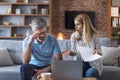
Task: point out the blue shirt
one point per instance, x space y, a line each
42 53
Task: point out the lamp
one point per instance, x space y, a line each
60 36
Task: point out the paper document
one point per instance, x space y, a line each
87 54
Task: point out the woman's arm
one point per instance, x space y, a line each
71 52
97 45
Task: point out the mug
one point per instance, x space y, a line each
46 76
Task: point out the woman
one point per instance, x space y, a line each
85 35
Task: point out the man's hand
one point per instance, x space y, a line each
38 73
32 37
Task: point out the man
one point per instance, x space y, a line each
38 50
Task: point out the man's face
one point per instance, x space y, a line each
41 33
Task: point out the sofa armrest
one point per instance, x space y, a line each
105 42
118 61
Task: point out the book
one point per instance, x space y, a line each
114 11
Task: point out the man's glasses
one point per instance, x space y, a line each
43 33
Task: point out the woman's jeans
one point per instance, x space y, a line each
88 71
28 70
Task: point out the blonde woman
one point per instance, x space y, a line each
85 35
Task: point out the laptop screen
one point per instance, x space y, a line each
67 70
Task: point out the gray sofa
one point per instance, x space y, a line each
14 47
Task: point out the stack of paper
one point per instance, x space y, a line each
87 54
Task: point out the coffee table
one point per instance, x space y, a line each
86 79
89 79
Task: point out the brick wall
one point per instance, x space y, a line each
60 6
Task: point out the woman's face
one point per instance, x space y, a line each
78 26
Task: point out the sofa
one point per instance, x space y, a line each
10 59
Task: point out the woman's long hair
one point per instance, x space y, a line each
88 29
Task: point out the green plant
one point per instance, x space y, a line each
116 32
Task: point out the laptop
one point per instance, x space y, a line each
67 70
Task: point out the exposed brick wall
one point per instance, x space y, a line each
60 6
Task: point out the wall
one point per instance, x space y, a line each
60 6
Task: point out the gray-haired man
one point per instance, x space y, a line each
38 50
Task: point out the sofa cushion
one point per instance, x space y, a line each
110 55
110 73
10 72
15 49
64 44
5 59
105 42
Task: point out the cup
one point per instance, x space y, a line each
46 76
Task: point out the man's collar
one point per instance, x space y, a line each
37 42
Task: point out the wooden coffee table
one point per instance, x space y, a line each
89 79
86 79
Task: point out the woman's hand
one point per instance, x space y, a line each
66 53
96 52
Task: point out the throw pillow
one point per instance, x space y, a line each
5 59
110 55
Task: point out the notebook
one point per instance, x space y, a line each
67 70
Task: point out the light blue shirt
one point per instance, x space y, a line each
42 53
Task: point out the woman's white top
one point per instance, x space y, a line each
95 44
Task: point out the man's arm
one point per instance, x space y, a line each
26 56
58 56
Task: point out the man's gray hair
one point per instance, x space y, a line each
38 23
